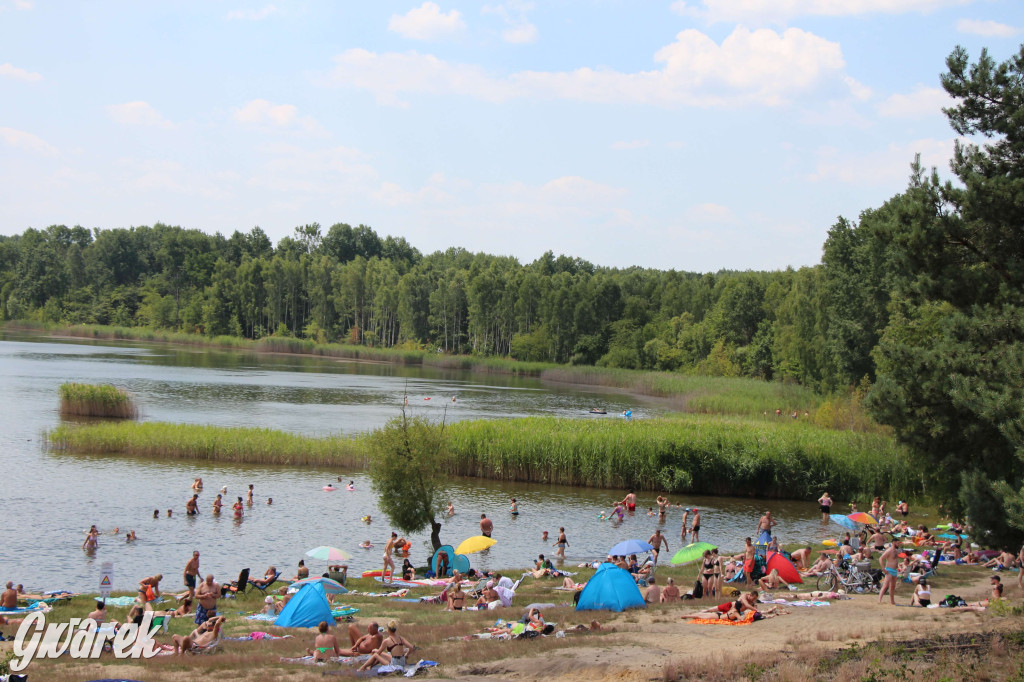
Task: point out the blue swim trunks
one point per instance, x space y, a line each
891 571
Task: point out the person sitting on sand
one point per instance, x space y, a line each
408 570
922 594
324 644
363 644
203 636
653 593
1004 562
670 594
392 650
270 605
772 581
302 573
100 614
183 609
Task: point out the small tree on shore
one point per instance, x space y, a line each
406 473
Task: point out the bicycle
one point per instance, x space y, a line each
856 580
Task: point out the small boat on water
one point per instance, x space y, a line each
598 410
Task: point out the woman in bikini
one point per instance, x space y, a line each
922 594
324 644
392 651
707 573
456 598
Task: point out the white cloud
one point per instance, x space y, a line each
11 71
857 89
989 29
260 112
251 14
521 34
427 22
161 177
16 5
710 213
19 139
762 66
920 103
779 11
880 167
138 113
626 145
519 30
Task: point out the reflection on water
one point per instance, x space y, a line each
51 498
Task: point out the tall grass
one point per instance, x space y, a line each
688 453
96 400
698 454
210 443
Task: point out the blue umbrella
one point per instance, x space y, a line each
843 521
627 547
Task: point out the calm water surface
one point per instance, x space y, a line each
51 498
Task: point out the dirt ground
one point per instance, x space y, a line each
653 644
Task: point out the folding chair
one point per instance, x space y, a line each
238 586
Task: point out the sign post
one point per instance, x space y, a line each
106 578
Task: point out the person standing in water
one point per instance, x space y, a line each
629 501
218 503
682 535
561 543
695 528
248 495
388 549
825 505
486 526
514 508
238 506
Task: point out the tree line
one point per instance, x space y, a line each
921 298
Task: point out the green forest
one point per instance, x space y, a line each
920 298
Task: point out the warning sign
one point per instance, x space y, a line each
106 578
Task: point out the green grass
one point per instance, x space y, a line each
96 400
686 453
210 443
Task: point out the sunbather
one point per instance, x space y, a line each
324 644
456 598
772 581
267 579
202 637
392 651
363 644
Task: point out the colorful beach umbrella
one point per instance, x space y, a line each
330 586
862 517
691 552
627 547
843 521
324 553
477 543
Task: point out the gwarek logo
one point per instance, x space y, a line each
79 638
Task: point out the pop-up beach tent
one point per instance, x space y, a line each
306 609
611 588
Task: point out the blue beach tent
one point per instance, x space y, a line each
612 589
306 609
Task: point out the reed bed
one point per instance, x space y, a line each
691 453
96 400
688 453
210 443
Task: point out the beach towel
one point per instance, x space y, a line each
746 620
269 617
343 611
120 601
256 636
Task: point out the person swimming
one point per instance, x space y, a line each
329 487
366 544
270 500
351 486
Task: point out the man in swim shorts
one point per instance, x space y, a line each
192 574
629 502
748 562
656 541
695 529
192 506
9 598
207 593
388 549
889 561
486 526
363 644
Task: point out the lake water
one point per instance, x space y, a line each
50 498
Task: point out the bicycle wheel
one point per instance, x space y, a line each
827 582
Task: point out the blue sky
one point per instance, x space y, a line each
693 135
